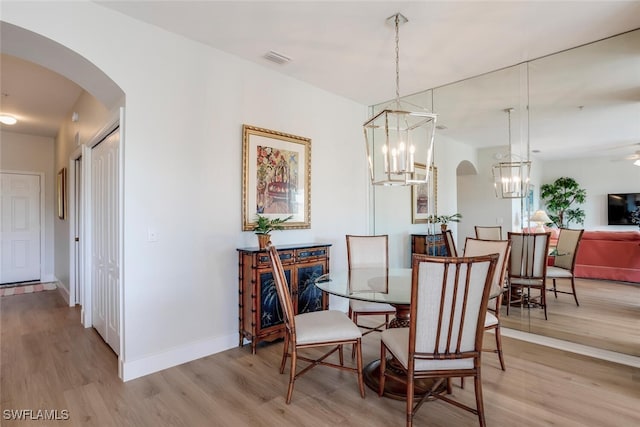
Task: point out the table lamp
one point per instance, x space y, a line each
541 218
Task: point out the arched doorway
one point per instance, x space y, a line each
107 100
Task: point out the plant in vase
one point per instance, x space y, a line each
446 219
265 225
561 198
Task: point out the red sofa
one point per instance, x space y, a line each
609 255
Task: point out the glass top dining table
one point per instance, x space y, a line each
391 286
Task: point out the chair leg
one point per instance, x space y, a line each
499 346
285 351
292 374
573 288
479 402
508 298
543 300
410 399
359 364
382 367
354 316
555 291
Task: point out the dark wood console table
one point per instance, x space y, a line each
260 311
428 244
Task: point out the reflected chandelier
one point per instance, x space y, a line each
400 137
511 178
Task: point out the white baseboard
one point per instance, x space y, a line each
64 292
585 350
176 356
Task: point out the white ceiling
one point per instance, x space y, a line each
347 48
39 98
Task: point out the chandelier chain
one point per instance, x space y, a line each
509 120
397 59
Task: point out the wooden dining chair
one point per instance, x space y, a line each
477 247
528 268
564 260
449 299
327 328
488 232
366 252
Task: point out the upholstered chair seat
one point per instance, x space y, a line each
324 326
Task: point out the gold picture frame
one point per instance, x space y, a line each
276 183
422 205
61 193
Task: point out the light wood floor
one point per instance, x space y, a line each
49 361
608 316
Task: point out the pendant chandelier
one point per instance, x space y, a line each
400 137
511 178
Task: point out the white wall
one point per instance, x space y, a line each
599 177
30 153
185 106
92 116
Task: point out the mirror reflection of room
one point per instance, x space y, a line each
588 94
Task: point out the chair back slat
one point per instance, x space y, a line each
488 232
282 288
450 243
448 302
367 251
476 247
529 255
567 248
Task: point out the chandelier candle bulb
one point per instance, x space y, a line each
401 155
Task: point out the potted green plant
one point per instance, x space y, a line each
560 198
446 219
265 225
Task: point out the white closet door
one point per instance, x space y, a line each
105 239
20 227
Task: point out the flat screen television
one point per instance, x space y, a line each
622 208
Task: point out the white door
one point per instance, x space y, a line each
20 227
104 239
77 249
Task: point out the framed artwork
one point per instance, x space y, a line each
423 201
276 183
61 193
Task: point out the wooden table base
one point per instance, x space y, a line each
393 388
397 390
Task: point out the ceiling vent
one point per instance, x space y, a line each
276 57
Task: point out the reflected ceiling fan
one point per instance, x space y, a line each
635 158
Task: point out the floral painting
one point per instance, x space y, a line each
277 181
276 177
424 197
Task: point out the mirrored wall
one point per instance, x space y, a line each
590 94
